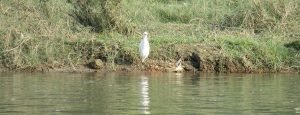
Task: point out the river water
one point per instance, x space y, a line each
148 93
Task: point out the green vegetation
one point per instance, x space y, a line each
60 33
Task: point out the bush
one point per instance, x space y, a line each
101 15
259 16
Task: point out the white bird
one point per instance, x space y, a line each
144 47
179 67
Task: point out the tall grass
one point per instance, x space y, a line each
101 15
64 32
36 33
251 15
252 28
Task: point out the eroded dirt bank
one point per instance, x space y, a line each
195 58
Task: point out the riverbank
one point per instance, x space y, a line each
223 36
196 58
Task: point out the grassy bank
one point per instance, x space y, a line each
217 35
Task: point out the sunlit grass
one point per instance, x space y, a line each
61 32
265 51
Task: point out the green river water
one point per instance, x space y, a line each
148 93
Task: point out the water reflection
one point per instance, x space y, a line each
297 109
145 99
116 93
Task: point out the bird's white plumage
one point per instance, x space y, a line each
144 47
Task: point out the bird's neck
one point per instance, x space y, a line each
145 38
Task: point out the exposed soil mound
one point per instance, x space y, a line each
211 59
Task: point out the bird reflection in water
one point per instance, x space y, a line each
145 99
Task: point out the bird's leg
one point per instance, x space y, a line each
143 65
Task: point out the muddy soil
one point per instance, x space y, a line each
195 58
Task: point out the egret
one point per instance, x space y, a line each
144 47
179 67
